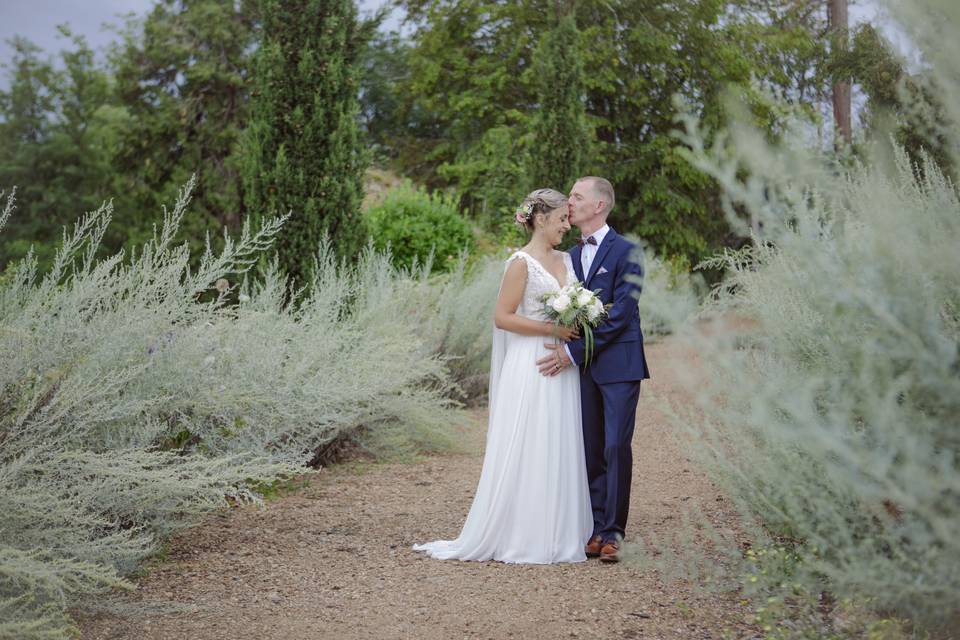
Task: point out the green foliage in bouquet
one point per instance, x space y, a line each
420 228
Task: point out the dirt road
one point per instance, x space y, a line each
334 560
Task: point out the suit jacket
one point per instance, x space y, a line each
618 342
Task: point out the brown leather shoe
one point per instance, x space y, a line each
593 547
610 551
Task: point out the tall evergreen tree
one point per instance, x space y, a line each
560 135
301 150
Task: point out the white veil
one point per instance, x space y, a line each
498 352
497 355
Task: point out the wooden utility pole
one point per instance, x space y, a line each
838 20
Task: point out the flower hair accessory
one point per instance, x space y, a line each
524 214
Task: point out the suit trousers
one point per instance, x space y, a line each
609 414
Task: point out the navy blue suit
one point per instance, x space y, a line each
610 384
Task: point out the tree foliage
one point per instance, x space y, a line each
169 102
484 97
181 75
59 128
301 149
907 105
473 93
560 139
383 67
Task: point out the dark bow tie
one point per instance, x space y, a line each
591 240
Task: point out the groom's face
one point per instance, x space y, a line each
582 204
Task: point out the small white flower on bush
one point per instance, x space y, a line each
244 297
560 303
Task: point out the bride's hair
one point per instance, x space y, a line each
539 201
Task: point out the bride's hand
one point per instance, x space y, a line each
565 333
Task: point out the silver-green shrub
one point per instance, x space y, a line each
459 320
135 394
669 296
833 397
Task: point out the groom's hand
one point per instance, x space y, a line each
553 363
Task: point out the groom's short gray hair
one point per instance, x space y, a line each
604 190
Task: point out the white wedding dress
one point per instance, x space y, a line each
532 503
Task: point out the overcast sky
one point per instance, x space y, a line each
37 20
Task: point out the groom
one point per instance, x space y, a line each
610 383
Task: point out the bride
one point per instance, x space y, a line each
532 503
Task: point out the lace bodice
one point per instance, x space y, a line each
539 282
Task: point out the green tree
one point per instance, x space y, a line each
383 66
467 100
302 148
472 98
58 128
644 57
181 75
898 103
560 140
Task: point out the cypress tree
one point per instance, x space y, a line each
301 150
560 134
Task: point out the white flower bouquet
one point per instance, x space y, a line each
576 306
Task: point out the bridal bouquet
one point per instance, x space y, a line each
576 306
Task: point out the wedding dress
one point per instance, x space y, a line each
532 503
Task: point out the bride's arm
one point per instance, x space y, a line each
511 294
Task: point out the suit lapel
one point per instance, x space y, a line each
602 251
577 265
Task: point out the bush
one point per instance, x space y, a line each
416 226
135 396
460 320
834 402
669 295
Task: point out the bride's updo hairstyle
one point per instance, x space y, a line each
539 201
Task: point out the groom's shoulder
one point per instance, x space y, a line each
623 243
631 249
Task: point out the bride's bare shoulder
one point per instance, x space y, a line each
514 279
516 265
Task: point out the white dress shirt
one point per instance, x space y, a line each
587 253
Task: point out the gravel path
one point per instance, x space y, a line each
334 561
